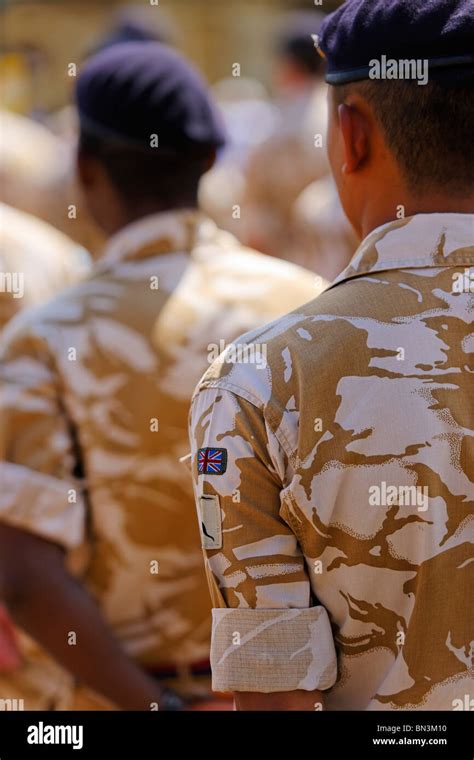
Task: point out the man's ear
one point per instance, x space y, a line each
355 130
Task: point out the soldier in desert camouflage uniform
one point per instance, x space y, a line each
338 521
294 155
36 262
96 387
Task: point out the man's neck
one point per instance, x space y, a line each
149 209
374 217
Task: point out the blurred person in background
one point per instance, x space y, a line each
261 188
36 260
249 118
100 556
36 263
37 175
324 239
295 154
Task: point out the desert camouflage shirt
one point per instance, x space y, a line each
95 394
335 486
36 262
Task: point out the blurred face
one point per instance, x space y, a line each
288 77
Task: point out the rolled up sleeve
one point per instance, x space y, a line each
272 650
38 489
269 634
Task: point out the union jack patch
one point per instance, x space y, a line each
212 461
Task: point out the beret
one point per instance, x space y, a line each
133 90
360 31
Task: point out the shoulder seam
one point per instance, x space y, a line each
236 389
267 413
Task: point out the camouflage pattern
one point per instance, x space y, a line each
36 262
342 552
96 388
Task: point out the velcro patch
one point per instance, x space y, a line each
212 461
211 523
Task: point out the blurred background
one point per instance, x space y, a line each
270 186
39 39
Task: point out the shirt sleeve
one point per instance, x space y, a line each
269 634
38 490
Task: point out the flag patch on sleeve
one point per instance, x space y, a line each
212 461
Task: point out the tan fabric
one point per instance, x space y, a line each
275 650
349 481
36 262
95 395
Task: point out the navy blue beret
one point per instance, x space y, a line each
441 31
133 90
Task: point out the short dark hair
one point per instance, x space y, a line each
144 174
428 128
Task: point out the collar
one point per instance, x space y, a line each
424 240
165 232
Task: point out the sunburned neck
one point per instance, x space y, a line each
376 216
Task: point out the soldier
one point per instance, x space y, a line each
36 262
100 558
249 119
281 167
339 535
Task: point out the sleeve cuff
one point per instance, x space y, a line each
272 650
42 505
